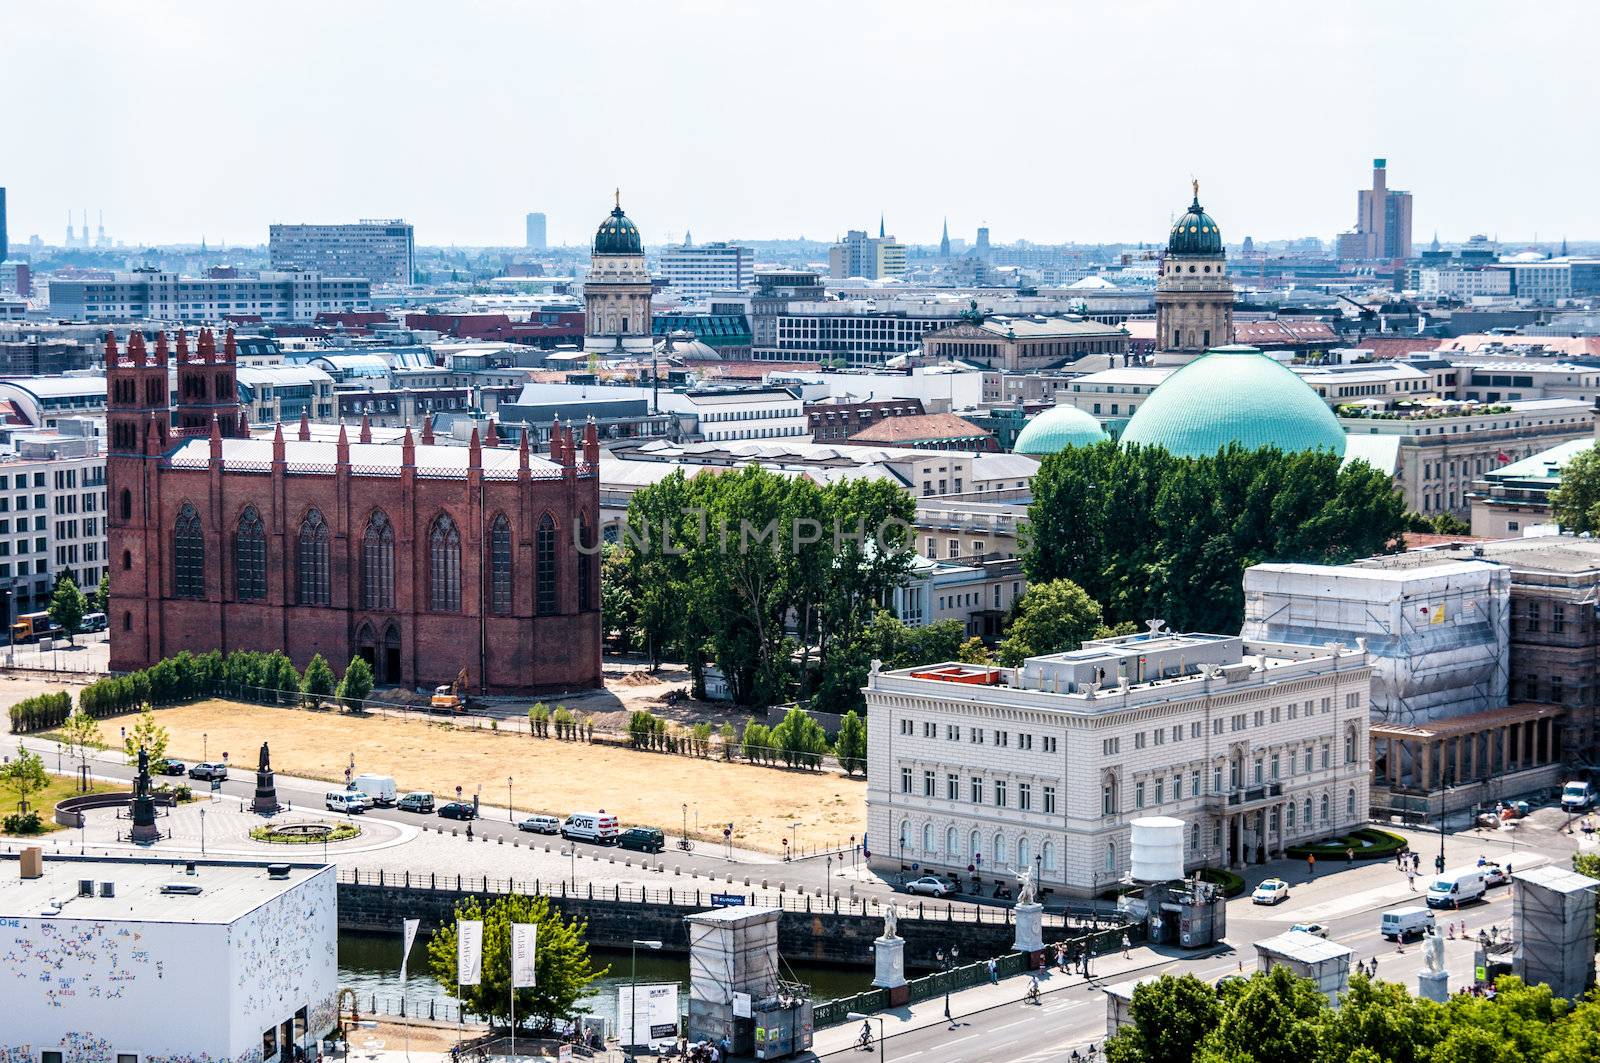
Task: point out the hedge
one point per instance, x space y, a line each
1368 843
40 712
1232 884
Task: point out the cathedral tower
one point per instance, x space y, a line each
616 293
1194 298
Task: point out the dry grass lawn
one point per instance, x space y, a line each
550 776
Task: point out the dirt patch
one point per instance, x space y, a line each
548 775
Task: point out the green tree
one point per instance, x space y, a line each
356 683
1575 503
973 651
148 735
1589 864
1438 524
1275 1018
100 601
730 740
619 599
67 606
80 733
801 739
23 775
851 746
318 682
1171 1016
539 719
563 968
1050 618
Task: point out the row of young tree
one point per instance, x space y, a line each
719 566
1147 534
796 741
1278 1018
190 676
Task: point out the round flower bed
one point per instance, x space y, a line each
1232 885
1368 843
305 833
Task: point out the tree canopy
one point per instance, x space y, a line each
1051 617
67 606
1150 535
1278 1018
1575 503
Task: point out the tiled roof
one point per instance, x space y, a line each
1281 332
931 426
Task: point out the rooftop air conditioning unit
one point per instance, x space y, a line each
188 889
86 887
108 889
277 870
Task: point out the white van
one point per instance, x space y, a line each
598 827
1576 796
380 788
346 801
1401 923
1457 887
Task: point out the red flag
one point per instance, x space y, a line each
1503 456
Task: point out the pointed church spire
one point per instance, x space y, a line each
216 440
342 450
522 456
474 450
880 225
111 347
280 453
944 240
491 438
366 429
244 426
305 427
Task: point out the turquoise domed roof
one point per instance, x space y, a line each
1195 233
618 235
1234 395
1056 429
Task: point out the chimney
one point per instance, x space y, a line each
427 430
32 862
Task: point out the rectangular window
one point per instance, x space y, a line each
952 732
1138 794
999 793
1194 729
1161 791
927 784
905 780
1049 799
1216 780
1277 714
1049 743
1194 784
952 787
977 736
1024 796
930 730
1002 739
1216 726
1108 800
1177 787
1325 755
1352 701
1275 767
1138 740
1327 705
907 727
1308 758
977 790
1260 718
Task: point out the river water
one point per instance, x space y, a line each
370 965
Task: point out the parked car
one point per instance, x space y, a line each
347 801
541 825
415 801
1272 891
1316 929
642 840
168 766
1458 886
930 885
1494 874
209 771
1577 796
94 622
458 810
360 795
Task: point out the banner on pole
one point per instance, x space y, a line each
524 944
469 951
405 952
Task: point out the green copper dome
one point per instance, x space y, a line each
618 235
1234 395
1056 429
1195 233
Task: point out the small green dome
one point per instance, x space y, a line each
1195 233
1056 429
618 236
1234 395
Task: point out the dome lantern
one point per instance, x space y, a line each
1196 233
617 234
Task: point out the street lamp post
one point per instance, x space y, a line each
205 747
947 963
827 878
511 814
202 832
686 826
633 993
883 1043
572 851
794 833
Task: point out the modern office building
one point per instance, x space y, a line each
860 255
283 393
1254 745
700 270
111 959
1383 221
536 240
379 250
52 514
155 295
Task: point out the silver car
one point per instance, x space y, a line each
930 885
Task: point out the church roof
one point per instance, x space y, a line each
434 461
1056 429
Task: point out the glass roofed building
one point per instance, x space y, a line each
1234 395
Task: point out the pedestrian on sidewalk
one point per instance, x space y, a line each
1411 880
1311 863
1349 855
994 972
1125 946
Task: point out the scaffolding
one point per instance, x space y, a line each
1437 636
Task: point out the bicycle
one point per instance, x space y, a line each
864 1039
686 845
1032 996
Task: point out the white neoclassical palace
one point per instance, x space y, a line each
977 771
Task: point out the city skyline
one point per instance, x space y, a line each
692 154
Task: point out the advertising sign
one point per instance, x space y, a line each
652 1018
524 938
727 900
469 951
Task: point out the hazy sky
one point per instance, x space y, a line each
1049 121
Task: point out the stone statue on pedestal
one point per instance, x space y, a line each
144 803
1433 950
266 799
1026 888
890 919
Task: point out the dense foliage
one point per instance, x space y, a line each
1052 617
67 606
1278 1018
40 712
718 563
563 968
1575 503
1146 534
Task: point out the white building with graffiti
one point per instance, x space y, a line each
111 960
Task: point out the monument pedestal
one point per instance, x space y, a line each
1434 985
890 972
1030 931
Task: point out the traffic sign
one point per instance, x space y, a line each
726 833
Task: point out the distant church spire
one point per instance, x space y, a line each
880 225
944 241
1563 247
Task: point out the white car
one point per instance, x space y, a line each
1316 929
1272 891
1494 874
932 885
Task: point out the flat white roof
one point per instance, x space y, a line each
228 890
1303 947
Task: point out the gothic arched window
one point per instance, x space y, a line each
544 543
311 560
444 566
377 563
250 556
188 554
500 565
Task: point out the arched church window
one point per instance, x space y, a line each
250 556
544 545
311 558
500 565
444 555
377 563
188 554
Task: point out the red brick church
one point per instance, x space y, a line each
425 559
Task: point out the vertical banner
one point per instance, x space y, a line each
469 951
524 943
405 952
